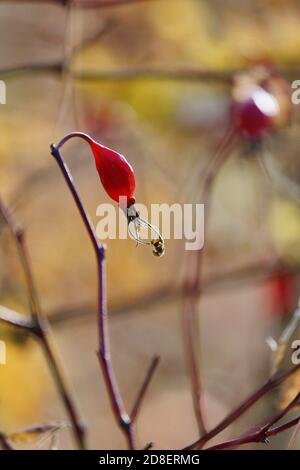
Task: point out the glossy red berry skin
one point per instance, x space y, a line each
249 120
116 174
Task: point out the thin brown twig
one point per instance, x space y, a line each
147 72
7 440
283 427
292 441
18 235
261 433
39 326
192 281
4 442
12 318
248 274
272 383
37 429
141 394
148 446
107 3
84 4
234 415
135 73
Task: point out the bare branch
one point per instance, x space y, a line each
292 441
261 432
17 234
141 394
12 318
283 427
147 72
248 274
40 327
272 383
4 442
135 73
84 4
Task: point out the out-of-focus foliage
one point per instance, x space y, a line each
285 227
168 129
22 383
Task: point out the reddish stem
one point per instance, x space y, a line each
141 394
262 432
273 382
193 281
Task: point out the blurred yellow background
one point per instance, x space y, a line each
168 128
